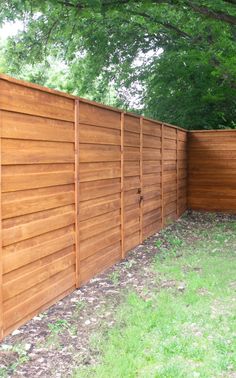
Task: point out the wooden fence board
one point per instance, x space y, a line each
98 135
20 99
30 250
98 206
99 262
99 224
20 177
98 116
101 188
29 202
20 126
30 225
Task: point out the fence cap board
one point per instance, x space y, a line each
35 86
212 130
164 123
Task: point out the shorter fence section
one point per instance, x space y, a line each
212 170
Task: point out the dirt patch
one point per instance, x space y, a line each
53 343
8 357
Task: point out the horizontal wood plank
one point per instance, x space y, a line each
15 151
20 99
98 135
95 115
28 127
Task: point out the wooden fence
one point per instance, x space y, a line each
212 170
82 184
122 197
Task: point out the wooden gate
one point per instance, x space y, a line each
151 177
132 182
142 179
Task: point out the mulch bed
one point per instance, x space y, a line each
57 341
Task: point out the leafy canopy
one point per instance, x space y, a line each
172 59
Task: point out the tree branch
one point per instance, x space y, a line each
165 24
230 1
203 10
216 15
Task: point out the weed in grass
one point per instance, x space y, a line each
3 372
158 243
174 244
129 263
73 329
211 216
174 241
220 238
22 357
232 225
114 277
97 340
202 233
79 306
56 329
59 326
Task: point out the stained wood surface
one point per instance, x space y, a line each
122 203
100 167
37 200
132 182
77 128
212 170
151 178
81 185
1 253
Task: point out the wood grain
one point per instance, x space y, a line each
132 181
17 98
81 185
77 193
142 182
162 174
212 170
1 249
122 189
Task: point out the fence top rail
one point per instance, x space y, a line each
212 131
35 86
84 100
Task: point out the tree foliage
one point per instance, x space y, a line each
176 59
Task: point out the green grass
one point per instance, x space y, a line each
188 328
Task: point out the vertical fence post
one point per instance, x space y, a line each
1 270
162 175
77 249
177 173
122 116
141 180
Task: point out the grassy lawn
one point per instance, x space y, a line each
186 325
